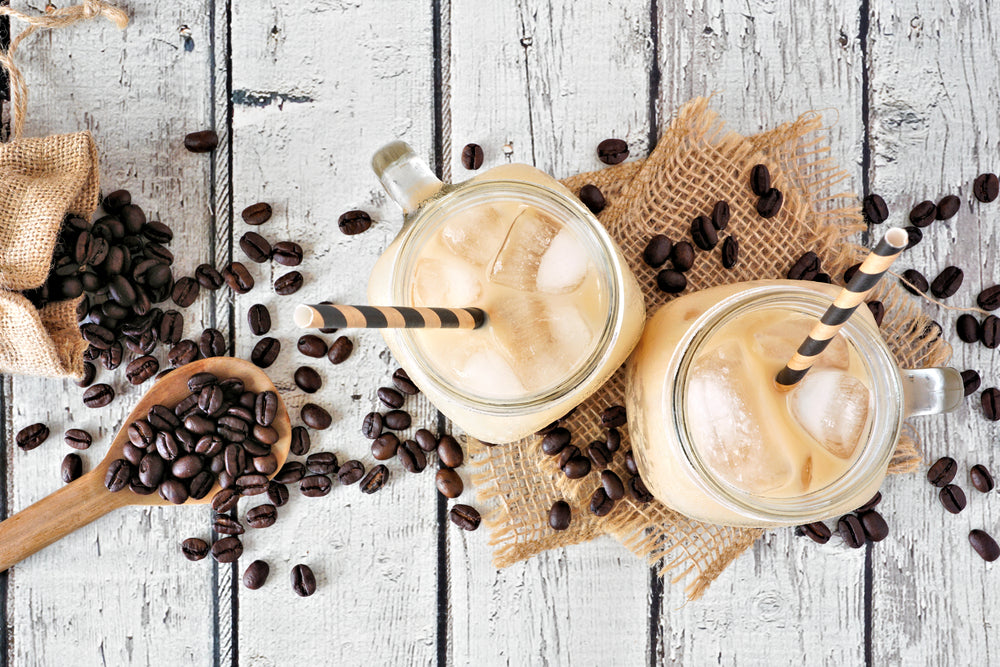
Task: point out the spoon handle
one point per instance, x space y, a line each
56 516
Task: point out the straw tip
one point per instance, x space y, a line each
307 317
897 237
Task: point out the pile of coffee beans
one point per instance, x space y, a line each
865 524
941 475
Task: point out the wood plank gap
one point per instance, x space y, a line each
443 574
868 604
866 149
654 74
6 643
655 604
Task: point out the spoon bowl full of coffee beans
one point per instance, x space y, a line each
213 430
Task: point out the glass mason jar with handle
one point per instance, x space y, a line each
563 309
715 439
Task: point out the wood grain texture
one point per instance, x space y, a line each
139 91
933 132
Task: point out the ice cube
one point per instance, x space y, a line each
832 407
516 264
488 372
779 341
724 427
475 234
445 283
563 266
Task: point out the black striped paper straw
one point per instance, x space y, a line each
868 275
324 315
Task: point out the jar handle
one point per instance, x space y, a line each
930 391
406 177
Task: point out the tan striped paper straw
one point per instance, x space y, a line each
868 275
325 315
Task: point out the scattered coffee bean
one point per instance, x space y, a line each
971 380
251 484
322 463
760 180
351 472
612 151
303 580
569 452
371 427
288 284
721 215
670 281
875 500
472 156
311 346
600 503
576 467
287 253
307 379
262 516
638 491
340 350
77 438
277 493
730 252
599 454
449 483
657 251
375 479
227 550
614 440
805 268
818 532
560 515
942 471
953 498
875 209
989 333
465 517
613 417
238 277
390 397
185 292
118 475
984 545
89 373
255 247
425 439
981 478
98 396
257 214
259 319
265 352
208 277
316 417
703 233
682 256
986 187
30 437
354 222
613 486
630 463
592 198
968 328
226 525
402 382
398 420
770 203
212 343
184 352
385 446
948 207
874 525
72 467
556 440
914 282
194 548
204 141
225 500
990 400
913 235
877 310
255 575
300 441
947 282
923 214
852 531
450 452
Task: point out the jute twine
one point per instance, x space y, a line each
41 181
696 163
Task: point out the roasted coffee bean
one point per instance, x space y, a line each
923 214
981 478
265 408
251 484
760 180
184 352
132 454
569 452
385 446
770 203
990 400
874 525
308 380
141 369
311 346
257 214
989 298
465 517
32 436
340 350
805 268
947 282
208 277
984 545
212 343
118 475
560 515
875 209
291 472
287 253
255 247
612 151
968 328
593 198
390 397
682 256
167 446
600 503
259 319
556 440
72 468
721 215
670 281
971 381
426 440
371 427
98 336
303 581
186 467
288 284
114 201
201 425
613 486
204 141
238 277
638 491
314 486
402 382
989 333
818 532
614 440
122 291
98 396
89 373
942 471
657 251
398 420
232 428
75 438
194 548
914 236
300 441
703 233
872 502
613 417
953 498
599 454
354 222
472 156
322 463
948 207
350 472
262 516
227 549
851 531
411 457
316 417
227 525
225 500
277 493
162 418
171 328
576 467
986 187
730 252
199 381
448 483
211 401
140 433
185 292
914 282
450 452
375 479
255 575
265 352
201 484
630 463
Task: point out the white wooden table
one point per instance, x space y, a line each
302 94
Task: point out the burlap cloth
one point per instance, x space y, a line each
696 163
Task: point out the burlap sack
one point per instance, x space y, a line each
696 163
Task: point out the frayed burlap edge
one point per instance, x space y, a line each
519 483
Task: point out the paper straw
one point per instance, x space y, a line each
868 275
321 316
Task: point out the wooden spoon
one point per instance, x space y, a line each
85 499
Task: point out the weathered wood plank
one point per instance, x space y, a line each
117 591
552 80
306 124
933 131
767 63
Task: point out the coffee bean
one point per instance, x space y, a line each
385 446
914 282
818 532
141 369
212 343
132 454
238 277
599 454
770 203
288 284
472 156
703 233
923 214
316 417
118 475
308 380
576 467
682 256
448 483
287 253
398 420
277 493
204 141
981 478
265 352
354 222
183 353
208 277
303 581
227 525
450 452
984 545
262 516
173 491
914 236
225 500
255 247
171 328
350 472
371 427
72 468
556 440
140 433
614 440
425 439
600 503
300 441
201 484
465 517
670 281
875 209
255 575
989 334
186 467
613 486
114 201
630 463
592 198
98 396
375 479
613 417
322 463
194 548
721 215
76 438
989 298
948 207
986 187
760 180
560 515
411 457
403 383
874 525
947 282
390 397
32 436
612 151
89 373
805 268
942 471
340 350
98 336
953 498
638 491
251 484
257 214
657 251
227 550
852 531
259 319
185 292
730 252
291 472
970 380
968 328
990 400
